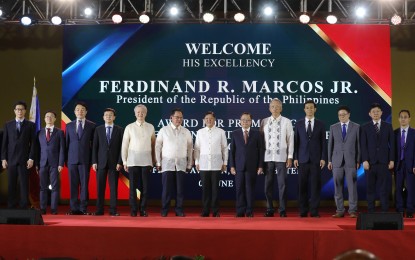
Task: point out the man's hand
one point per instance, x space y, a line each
296 163
224 168
29 163
260 171
391 164
118 167
126 168
322 163
4 164
60 168
366 165
95 166
330 166
289 163
233 171
197 167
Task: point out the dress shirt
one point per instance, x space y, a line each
174 148
137 144
406 132
51 130
374 122
77 123
312 123
111 129
279 139
211 149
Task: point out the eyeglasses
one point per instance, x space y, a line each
19 109
341 115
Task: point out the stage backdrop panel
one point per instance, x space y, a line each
228 69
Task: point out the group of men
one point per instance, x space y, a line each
269 151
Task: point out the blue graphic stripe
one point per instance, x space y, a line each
74 77
329 186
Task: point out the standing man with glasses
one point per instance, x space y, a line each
174 150
378 151
79 138
405 164
246 158
18 155
344 160
279 149
310 151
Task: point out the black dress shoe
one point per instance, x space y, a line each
43 211
85 213
268 214
204 215
133 214
303 215
283 214
216 215
143 213
114 214
249 215
164 214
180 214
409 215
54 212
73 212
239 215
315 215
98 213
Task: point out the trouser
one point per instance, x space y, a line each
272 169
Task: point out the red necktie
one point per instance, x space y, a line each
48 134
246 136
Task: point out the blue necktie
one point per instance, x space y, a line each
403 145
18 126
80 129
309 129
108 134
344 131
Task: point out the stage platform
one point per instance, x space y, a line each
227 237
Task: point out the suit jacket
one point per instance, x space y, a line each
78 151
409 149
246 157
50 153
347 149
104 154
310 150
377 148
18 148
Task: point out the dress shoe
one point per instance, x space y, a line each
54 212
143 213
85 213
283 214
268 214
315 215
98 213
204 215
133 214
164 214
180 214
73 212
338 215
303 215
216 215
353 215
240 215
114 214
409 215
250 215
43 211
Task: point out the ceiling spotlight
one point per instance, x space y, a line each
116 18
268 10
1 12
56 20
304 18
360 12
331 19
239 17
26 20
88 11
174 11
208 17
396 19
144 18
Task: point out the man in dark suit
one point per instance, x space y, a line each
377 147
405 164
79 137
50 159
106 160
310 152
18 154
246 158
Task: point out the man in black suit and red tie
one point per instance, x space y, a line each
50 159
106 160
246 158
79 137
378 150
18 154
405 164
310 152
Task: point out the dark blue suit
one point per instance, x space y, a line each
78 156
246 159
403 170
107 156
309 151
50 155
17 149
378 150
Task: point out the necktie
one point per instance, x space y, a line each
80 129
48 134
108 134
344 131
377 128
246 136
18 126
403 145
309 129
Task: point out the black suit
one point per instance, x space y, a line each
17 149
50 155
378 149
78 154
107 156
246 159
309 151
